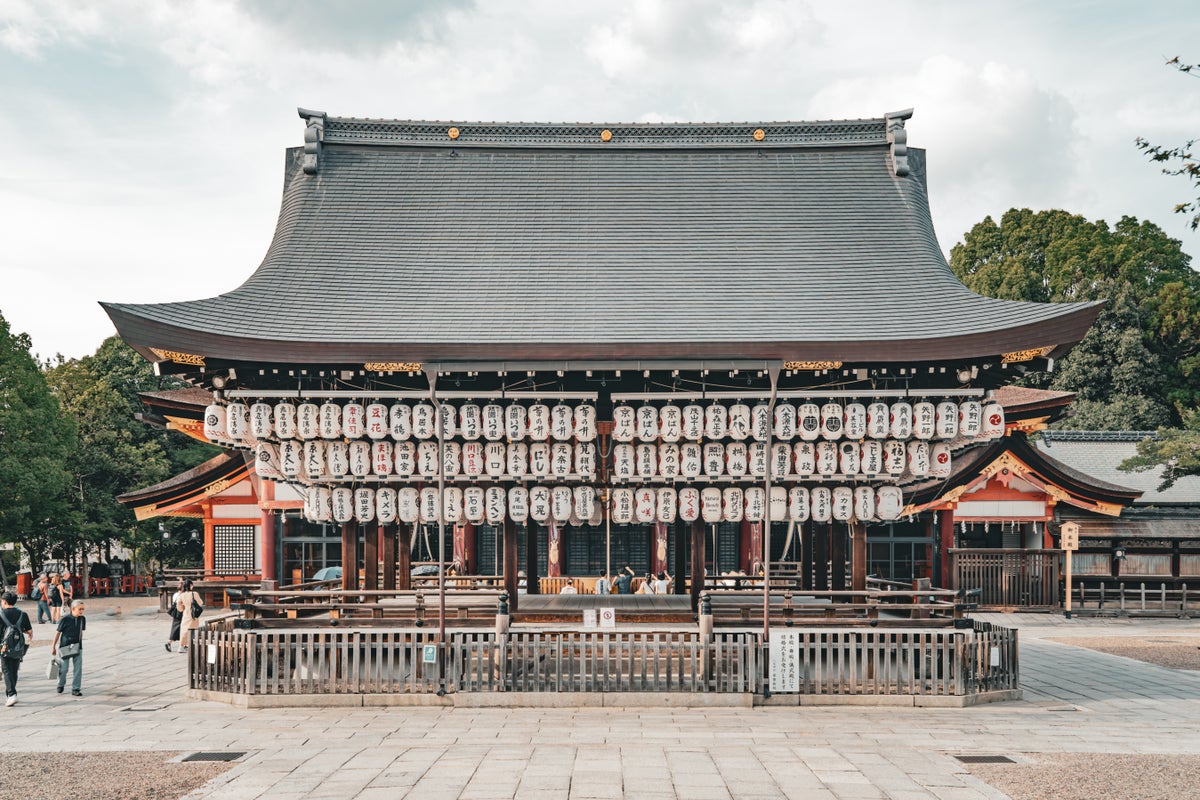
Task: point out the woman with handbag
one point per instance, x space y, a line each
68 644
190 606
176 619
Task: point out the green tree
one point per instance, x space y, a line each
36 442
1178 450
1180 161
1137 367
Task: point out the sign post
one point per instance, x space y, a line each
1070 543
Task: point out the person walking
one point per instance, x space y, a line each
68 589
188 621
56 596
176 620
15 638
68 643
41 595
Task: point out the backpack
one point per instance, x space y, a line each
13 644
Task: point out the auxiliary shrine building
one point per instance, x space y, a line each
562 349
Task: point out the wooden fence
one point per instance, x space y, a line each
1008 578
409 661
1128 597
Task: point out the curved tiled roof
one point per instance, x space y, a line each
668 241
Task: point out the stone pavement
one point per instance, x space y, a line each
1075 701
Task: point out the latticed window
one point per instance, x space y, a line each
233 549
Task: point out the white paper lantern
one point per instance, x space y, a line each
821 504
385 505
755 503
237 421
871 457
668 505
756 455
359 456
539 459
924 420
739 422
864 503
781 459
215 423
732 504
561 459
585 502
260 421
353 421
408 504
778 504
338 459
324 505
285 420
808 421
947 420
760 422
622 506
804 458
889 502
939 460
623 461
518 459
364 505
646 459
375 421
895 457
645 504
670 423
307 421
710 504
424 422
290 457
266 461
668 460
381 458
855 418
693 422
624 423
539 503
312 504
330 420
400 422
901 420
493 422
470 422
451 458
452 504
798 504
343 504
848 461
736 460
918 458
314 459
427 459
495 458
447 421
843 503
785 422
714 459
691 459
647 423
970 418
689 504
827 458
472 458
431 504
878 420
495 501
597 518
473 507
404 458
585 459
585 423
993 421
831 421
716 421
515 422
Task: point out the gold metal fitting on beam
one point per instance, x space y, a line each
178 358
393 366
814 365
1017 356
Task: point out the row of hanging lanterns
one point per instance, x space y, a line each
401 422
317 460
579 504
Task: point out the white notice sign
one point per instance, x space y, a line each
608 618
785 660
589 618
212 654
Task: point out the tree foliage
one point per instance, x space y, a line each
1176 450
1180 161
1138 368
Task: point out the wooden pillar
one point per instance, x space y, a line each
266 534
404 556
388 557
697 562
837 556
464 548
858 557
555 551
821 556
751 547
210 540
371 556
680 568
349 556
658 553
946 535
808 538
531 571
509 569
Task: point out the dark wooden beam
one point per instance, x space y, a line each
697 562
858 557
533 585
510 568
821 556
807 533
371 556
404 556
349 556
389 555
837 557
680 567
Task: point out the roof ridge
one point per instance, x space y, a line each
1098 436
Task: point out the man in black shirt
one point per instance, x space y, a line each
624 580
11 666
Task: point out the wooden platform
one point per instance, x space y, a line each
630 608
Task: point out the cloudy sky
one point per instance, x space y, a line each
143 139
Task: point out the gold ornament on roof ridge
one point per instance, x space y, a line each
814 365
1018 356
606 135
393 366
177 357
759 134
453 133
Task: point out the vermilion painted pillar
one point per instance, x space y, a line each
946 535
266 533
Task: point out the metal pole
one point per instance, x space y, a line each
773 373
441 516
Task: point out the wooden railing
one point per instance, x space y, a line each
1008 578
1133 597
